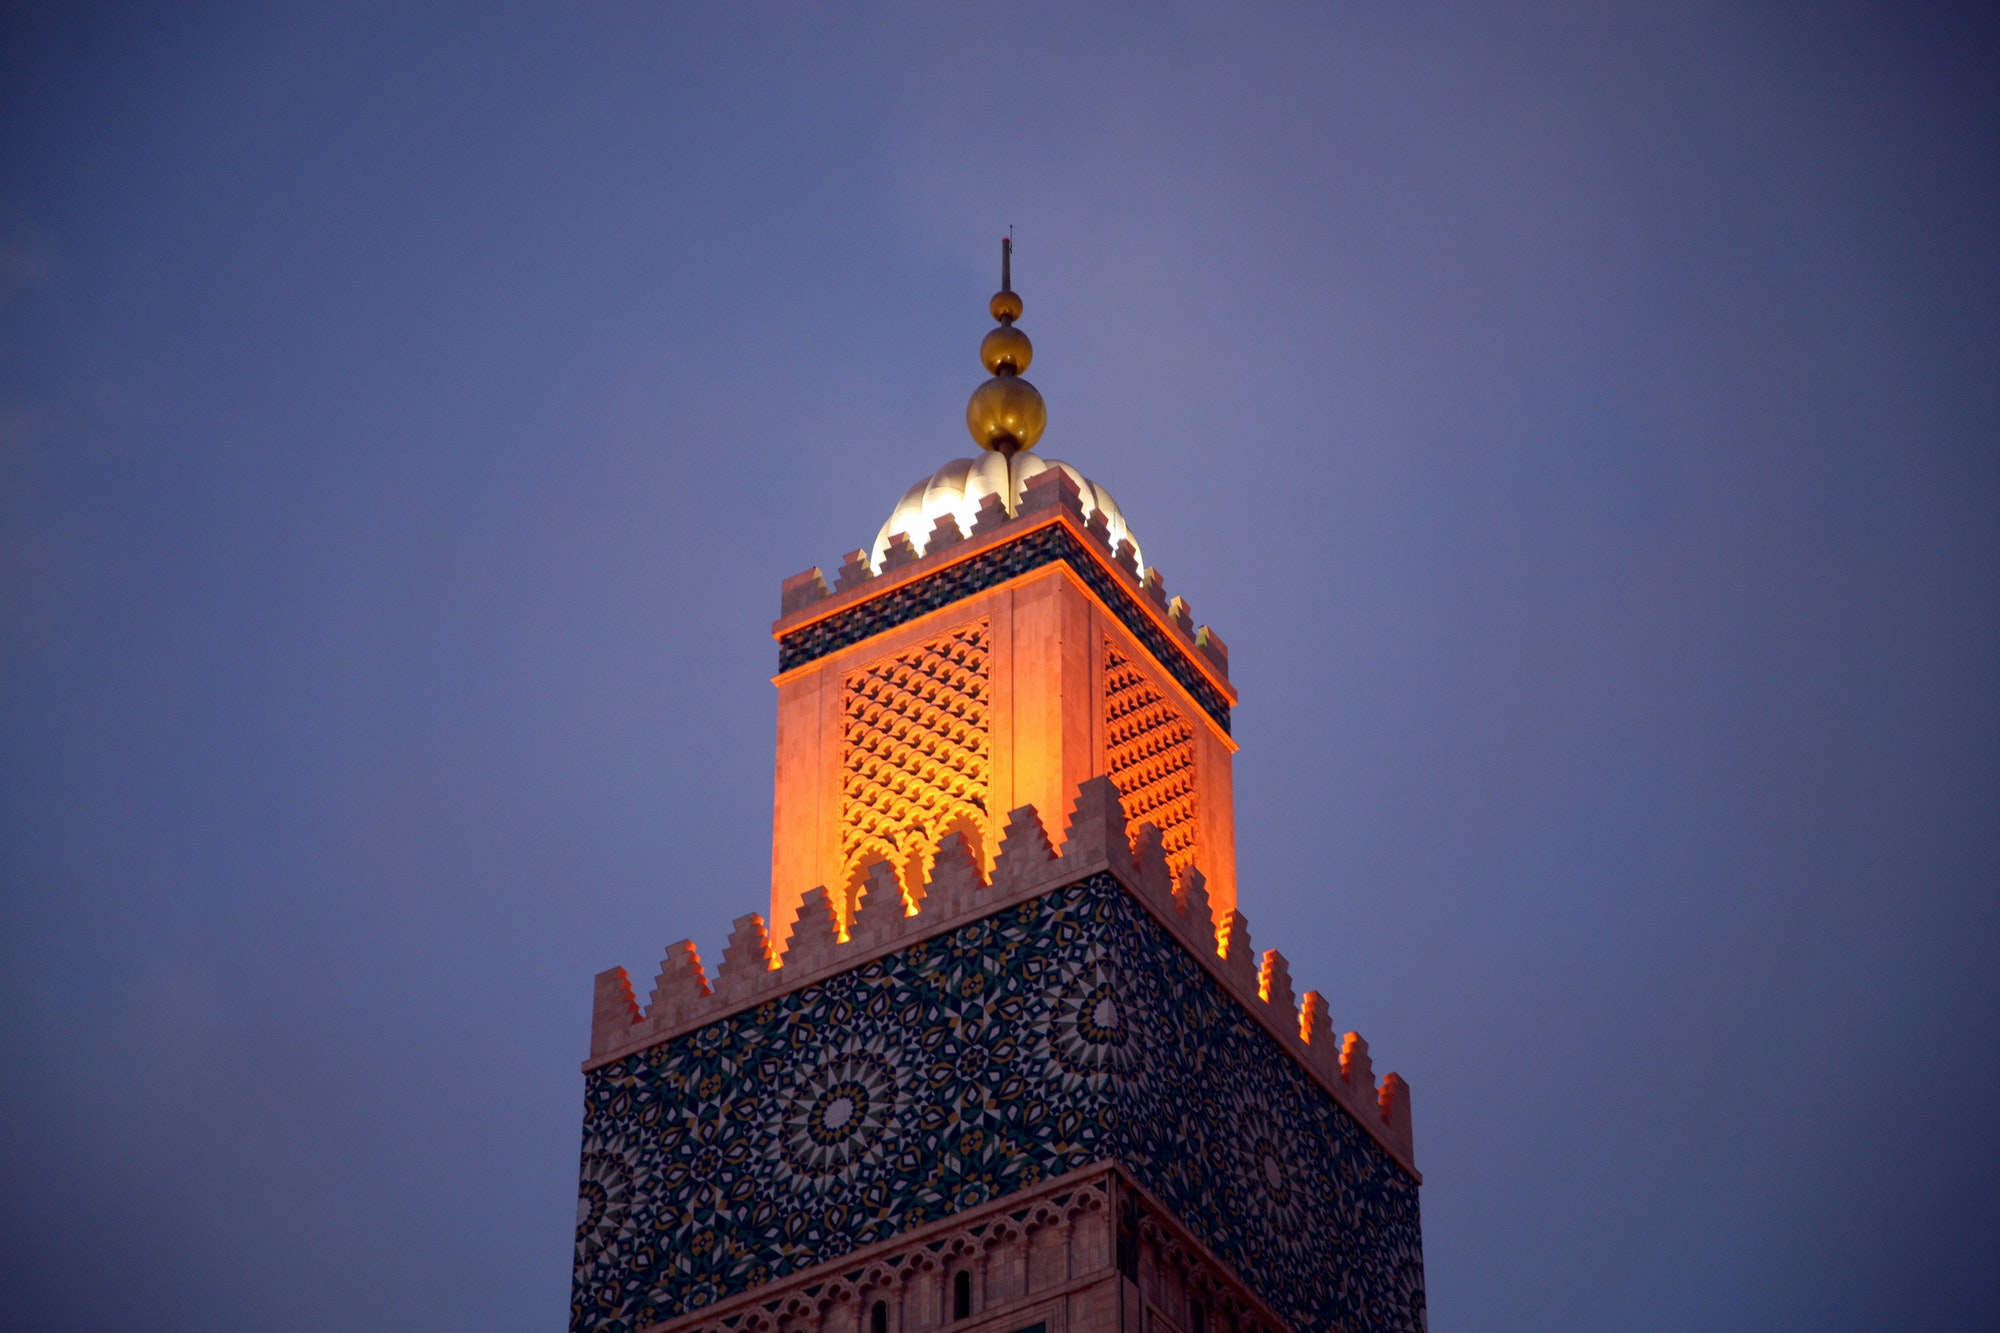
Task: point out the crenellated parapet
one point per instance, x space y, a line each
757 966
811 613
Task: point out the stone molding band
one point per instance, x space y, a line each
981 1236
1041 545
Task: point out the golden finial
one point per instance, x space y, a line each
1006 413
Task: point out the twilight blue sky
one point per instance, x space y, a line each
1582 422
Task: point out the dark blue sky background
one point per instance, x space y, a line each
1582 423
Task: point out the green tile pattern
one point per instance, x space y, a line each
1059 1032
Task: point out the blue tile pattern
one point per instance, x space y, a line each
1041 547
1065 1030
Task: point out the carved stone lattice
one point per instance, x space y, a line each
917 757
1149 755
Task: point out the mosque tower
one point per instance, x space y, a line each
1003 1057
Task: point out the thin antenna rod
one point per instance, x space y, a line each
1006 263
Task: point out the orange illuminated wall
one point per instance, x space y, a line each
1009 696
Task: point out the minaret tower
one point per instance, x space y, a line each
996 647
1002 1055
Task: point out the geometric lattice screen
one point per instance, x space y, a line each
916 756
1149 755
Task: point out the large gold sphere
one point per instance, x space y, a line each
1005 306
1005 408
1006 346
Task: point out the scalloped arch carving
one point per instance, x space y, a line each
916 757
1149 757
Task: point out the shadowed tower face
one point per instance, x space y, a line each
1002 1055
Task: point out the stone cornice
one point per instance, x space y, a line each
819 621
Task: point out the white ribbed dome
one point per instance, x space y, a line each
959 486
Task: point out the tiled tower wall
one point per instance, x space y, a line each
1248 1152
1063 1031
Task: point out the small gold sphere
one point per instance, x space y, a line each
1006 408
1006 346
1006 306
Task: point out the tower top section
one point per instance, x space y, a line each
1000 642
1006 414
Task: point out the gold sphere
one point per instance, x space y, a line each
1006 306
1006 346
1006 408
